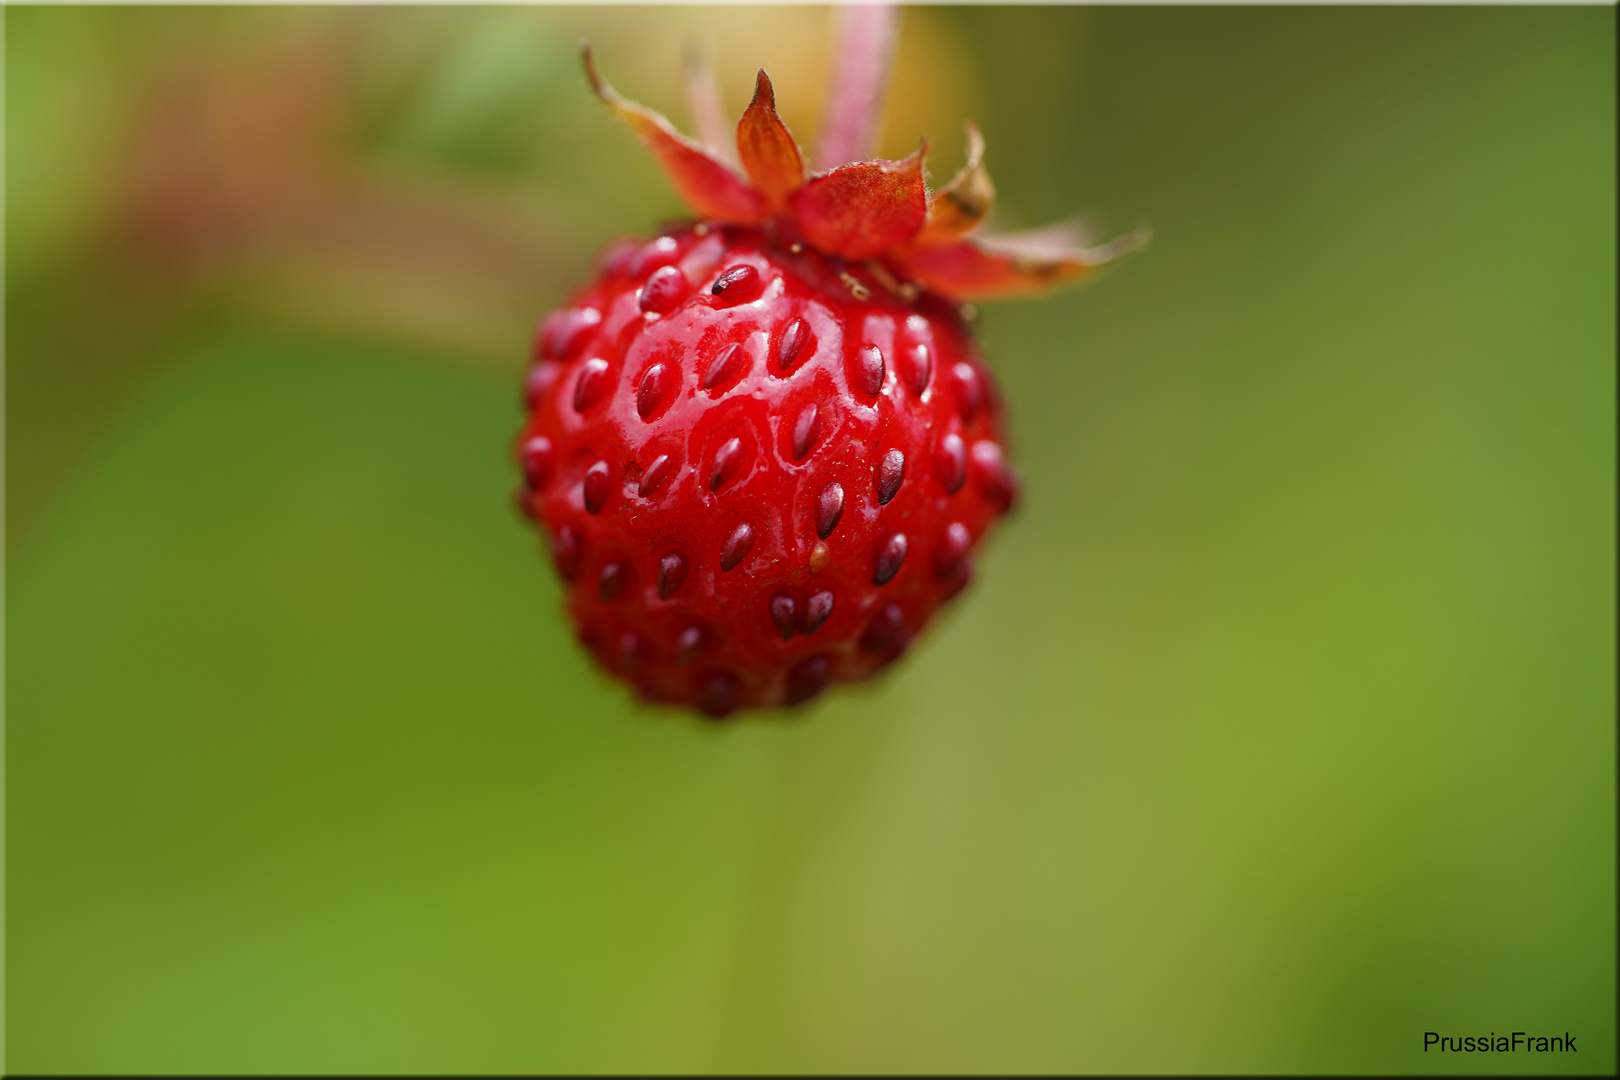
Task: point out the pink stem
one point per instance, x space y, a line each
864 37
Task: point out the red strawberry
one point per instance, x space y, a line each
764 445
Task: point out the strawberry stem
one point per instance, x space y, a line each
864 37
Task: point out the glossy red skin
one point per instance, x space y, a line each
745 662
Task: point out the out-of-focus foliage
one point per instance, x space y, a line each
1277 731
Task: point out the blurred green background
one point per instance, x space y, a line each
1279 727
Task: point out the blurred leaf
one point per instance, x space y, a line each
482 103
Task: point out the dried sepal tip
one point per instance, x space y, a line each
1013 264
963 204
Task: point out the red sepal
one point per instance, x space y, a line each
863 210
707 184
766 148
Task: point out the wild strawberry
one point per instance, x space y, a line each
763 445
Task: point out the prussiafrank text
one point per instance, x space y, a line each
1499 1044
